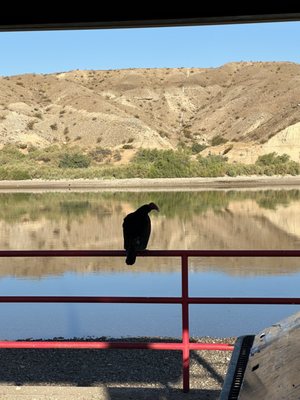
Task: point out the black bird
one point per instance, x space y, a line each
136 231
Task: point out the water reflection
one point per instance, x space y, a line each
268 219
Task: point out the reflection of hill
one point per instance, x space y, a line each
16 207
91 221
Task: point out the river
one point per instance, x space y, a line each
231 219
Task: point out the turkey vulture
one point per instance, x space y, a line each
136 231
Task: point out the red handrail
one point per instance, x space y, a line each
185 346
150 300
150 253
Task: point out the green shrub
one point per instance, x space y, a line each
74 160
71 163
197 148
211 159
47 154
272 159
99 154
14 173
10 154
217 140
294 168
146 155
212 165
227 150
164 163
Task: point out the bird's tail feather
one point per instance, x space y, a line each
131 257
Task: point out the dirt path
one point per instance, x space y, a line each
167 184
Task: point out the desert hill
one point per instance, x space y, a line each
241 109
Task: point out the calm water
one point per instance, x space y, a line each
267 219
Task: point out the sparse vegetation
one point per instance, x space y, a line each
117 156
38 115
100 154
187 134
30 124
197 148
227 150
224 114
272 159
10 154
217 140
75 160
274 164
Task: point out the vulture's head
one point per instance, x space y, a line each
153 206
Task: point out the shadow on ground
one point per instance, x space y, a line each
134 374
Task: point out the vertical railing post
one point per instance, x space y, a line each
185 324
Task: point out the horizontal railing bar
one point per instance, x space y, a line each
244 300
149 300
88 345
150 253
89 299
112 345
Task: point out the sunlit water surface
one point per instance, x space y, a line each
267 219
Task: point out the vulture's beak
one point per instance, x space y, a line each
153 206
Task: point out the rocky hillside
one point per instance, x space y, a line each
240 109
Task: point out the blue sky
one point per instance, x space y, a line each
198 46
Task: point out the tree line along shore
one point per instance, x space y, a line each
56 163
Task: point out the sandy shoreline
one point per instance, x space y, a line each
161 184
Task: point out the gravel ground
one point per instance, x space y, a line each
134 374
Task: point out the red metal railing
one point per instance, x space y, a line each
185 346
